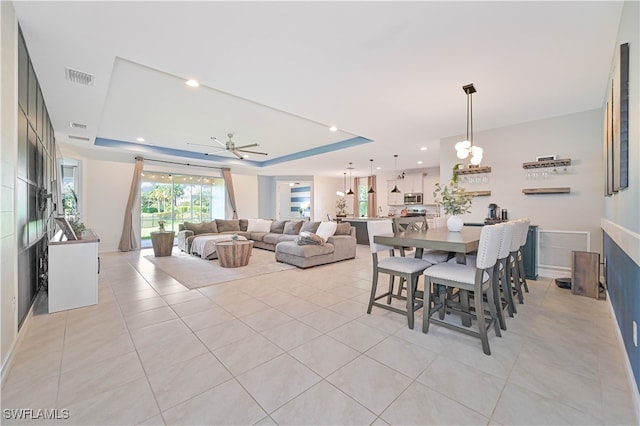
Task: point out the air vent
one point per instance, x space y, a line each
78 125
79 77
80 138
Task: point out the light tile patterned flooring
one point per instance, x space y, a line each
297 347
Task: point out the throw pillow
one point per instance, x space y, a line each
227 225
343 229
243 224
326 230
209 227
306 238
292 228
258 225
277 226
310 227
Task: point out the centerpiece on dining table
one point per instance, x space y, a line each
454 200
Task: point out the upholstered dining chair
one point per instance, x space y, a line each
515 272
476 278
501 272
407 268
524 233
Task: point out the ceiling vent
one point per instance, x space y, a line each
77 125
80 138
79 77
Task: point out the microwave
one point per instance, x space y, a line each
413 198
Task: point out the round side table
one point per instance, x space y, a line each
162 242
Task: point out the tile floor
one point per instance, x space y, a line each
297 347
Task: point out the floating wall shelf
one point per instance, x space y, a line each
478 193
534 191
547 163
473 170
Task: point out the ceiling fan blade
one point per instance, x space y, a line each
252 152
247 146
213 138
237 154
199 144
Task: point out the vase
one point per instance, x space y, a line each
455 223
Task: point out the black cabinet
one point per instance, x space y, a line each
529 254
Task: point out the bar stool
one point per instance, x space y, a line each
513 271
477 278
502 279
524 233
408 268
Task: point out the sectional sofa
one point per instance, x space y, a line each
271 234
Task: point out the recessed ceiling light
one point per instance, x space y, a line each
192 83
378 168
424 148
419 162
140 139
333 129
245 156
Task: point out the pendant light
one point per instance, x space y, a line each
371 190
466 147
350 192
395 189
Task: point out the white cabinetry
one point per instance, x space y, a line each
73 273
395 198
413 183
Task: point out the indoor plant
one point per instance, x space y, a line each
77 226
454 201
341 205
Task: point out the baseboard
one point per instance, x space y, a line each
630 377
8 361
553 273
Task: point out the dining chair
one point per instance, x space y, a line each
437 256
514 271
476 278
408 268
504 297
524 233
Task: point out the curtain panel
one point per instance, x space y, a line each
128 240
228 182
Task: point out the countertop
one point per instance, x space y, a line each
365 219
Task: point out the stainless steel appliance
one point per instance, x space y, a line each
417 211
413 198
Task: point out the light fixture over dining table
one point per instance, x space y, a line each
466 147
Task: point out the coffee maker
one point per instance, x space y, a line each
493 212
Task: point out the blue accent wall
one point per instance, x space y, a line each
266 196
623 283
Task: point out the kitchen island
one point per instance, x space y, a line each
360 223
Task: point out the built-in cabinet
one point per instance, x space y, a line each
395 198
73 273
413 183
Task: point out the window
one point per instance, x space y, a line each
178 198
363 197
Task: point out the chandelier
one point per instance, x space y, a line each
466 147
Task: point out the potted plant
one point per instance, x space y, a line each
454 200
77 226
341 205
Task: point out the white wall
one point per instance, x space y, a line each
246 190
576 136
324 196
8 158
623 209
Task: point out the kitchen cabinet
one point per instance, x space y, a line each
397 198
412 183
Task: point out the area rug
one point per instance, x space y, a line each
194 272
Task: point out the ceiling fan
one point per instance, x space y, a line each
230 146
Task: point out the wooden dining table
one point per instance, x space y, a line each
462 242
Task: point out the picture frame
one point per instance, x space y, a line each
623 127
66 228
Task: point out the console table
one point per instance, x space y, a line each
73 272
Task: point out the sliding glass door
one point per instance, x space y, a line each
178 198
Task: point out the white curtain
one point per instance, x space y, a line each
128 240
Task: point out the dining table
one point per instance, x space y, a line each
459 243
